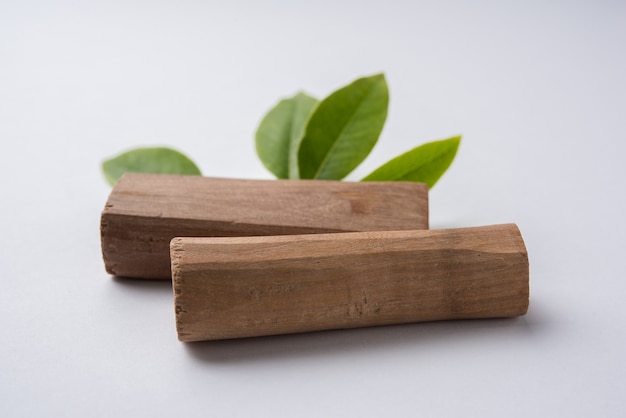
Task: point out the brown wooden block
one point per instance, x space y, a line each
253 286
145 211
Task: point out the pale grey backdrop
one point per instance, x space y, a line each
536 88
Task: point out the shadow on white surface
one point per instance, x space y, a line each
144 286
383 340
361 340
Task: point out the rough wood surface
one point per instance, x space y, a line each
145 211
253 286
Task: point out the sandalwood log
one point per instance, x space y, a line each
145 211
253 286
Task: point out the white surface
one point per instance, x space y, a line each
537 89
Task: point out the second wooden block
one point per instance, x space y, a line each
253 286
145 211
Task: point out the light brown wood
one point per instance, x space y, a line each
253 286
145 211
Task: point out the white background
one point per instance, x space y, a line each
536 88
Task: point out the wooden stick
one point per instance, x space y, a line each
253 286
145 211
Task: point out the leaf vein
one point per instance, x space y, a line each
343 129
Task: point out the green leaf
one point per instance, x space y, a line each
279 134
343 129
148 160
424 164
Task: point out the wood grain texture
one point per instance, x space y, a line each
145 211
253 286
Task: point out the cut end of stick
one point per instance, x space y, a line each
176 251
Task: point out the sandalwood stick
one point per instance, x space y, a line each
253 286
145 211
